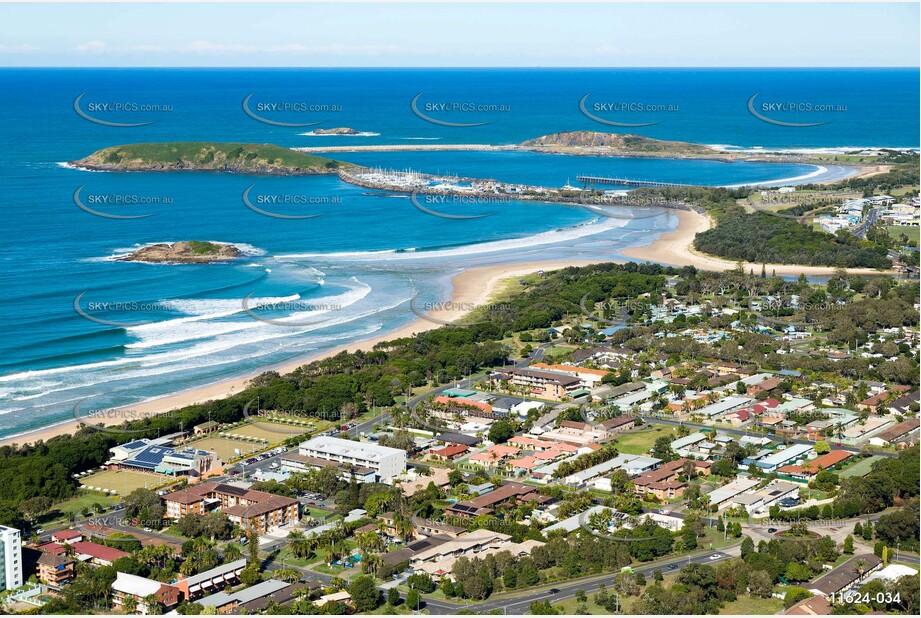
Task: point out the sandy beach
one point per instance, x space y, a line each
471 288
676 248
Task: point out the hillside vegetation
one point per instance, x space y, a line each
209 156
621 143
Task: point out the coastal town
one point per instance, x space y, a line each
463 308
651 439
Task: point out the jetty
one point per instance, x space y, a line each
628 182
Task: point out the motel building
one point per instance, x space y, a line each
134 590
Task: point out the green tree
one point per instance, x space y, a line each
501 431
366 597
413 600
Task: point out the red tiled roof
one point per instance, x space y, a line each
451 451
63 535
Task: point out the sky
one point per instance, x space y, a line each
460 35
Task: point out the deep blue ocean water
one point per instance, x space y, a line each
360 262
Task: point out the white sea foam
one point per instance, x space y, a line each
358 134
426 139
543 238
817 150
818 171
70 166
245 248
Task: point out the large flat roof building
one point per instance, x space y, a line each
385 461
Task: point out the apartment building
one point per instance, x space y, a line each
386 462
10 559
252 509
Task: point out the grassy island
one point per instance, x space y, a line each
267 159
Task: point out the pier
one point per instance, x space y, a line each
626 182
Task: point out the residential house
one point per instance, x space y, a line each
904 433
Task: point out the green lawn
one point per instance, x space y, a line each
895 231
639 442
315 513
861 468
84 499
752 606
286 557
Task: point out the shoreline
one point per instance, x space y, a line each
676 248
470 288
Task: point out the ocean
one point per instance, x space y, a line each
354 270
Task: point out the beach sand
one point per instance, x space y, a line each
676 248
470 289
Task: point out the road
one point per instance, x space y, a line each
520 603
869 221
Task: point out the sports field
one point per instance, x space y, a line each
122 482
272 433
226 447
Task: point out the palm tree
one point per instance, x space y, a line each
130 604
152 603
333 553
232 552
298 544
372 563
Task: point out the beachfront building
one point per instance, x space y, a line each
146 455
10 558
386 462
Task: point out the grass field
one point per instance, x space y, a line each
272 433
224 447
895 231
639 442
123 482
63 511
861 468
752 606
